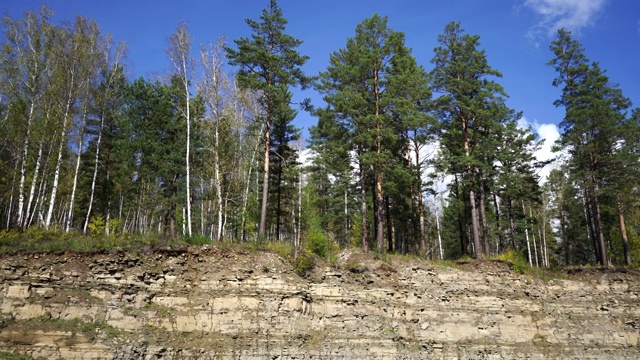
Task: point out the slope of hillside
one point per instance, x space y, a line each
201 303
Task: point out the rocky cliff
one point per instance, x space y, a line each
223 304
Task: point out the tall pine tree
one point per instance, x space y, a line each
591 131
269 64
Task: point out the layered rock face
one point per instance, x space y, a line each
220 304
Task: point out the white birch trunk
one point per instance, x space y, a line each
218 185
75 175
526 234
13 185
184 230
544 243
32 190
533 236
23 166
56 176
188 168
439 236
93 179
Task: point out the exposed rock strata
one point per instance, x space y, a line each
201 304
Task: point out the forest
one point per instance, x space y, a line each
210 154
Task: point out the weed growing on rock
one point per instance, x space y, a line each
8 355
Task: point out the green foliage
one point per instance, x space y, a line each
517 259
283 249
197 240
96 225
319 243
10 355
36 239
268 63
355 235
304 263
77 325
377 101
598 135
356 268
634 248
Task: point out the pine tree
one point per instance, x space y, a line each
591 129
465 110
269 64
330 174
375 93
153 137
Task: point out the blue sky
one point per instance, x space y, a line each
515 35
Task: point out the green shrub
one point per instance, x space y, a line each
517 259
196 240
317 242
304 263
320 244
96 225
283 249
356 268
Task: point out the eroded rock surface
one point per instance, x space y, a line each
220 304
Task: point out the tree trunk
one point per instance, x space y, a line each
483 216
475 227
216 171
265 180
56 176
278 199
500 242
526 234
296 244
13 185
23 166
563 237
604 261
363 209
378 171
461 225
439 236
590 216
346 215
423 239
533 238
77 170
95 175
623 232
472 196
32 191
389 225
188 164
512 225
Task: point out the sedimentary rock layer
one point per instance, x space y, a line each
220 304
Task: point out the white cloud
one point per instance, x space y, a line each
555 14
549 133
523 123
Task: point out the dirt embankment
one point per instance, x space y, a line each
204 303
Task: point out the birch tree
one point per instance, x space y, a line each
89 39
179 53
213 87
24 63
108 97
66 80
